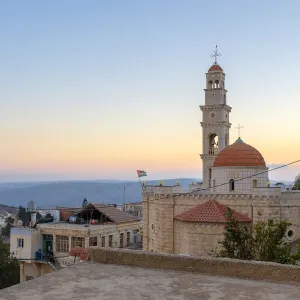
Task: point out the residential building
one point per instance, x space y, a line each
135 208
95 225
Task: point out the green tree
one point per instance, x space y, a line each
23 215
269 244
9 223
264 242
237 242
297 182
9 267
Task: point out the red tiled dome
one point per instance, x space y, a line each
239 154
215 67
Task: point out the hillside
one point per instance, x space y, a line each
72 193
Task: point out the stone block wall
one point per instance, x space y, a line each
161 234
205 265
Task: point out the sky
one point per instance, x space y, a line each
99 89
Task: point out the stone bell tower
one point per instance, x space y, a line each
215 119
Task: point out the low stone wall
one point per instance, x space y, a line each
205 265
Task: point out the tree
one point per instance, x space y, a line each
84 203
23 215
264 242
237 242
269 244
9 223
9 267
297 182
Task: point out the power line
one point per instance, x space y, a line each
234 180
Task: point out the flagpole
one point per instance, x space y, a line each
143 188
124 195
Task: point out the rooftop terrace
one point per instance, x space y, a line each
92 281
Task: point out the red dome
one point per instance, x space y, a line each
239 154
215 67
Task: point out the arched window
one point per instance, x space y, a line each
254 183
224 98
209 175
231 185
210 85
213 144
217 84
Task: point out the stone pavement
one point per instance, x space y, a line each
92 281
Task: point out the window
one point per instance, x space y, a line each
77 242
103 241
20 243
127 239
93 241
231 185
110 239
62 244
121 240
254 183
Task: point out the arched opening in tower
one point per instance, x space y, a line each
213 144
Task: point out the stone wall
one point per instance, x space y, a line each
160 234
197 238
290 210
206 265
33 270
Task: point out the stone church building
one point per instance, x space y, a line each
236 176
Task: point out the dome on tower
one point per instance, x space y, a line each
239 154
215 67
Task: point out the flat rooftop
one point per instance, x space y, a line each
92 281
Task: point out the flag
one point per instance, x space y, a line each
141 173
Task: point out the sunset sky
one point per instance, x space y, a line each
99 89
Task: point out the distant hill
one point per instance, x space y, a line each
72 193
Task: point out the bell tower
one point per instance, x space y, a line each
215 119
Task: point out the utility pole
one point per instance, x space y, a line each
124 196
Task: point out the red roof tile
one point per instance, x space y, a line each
210 212
215 67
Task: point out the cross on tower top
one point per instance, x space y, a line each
215 55
239 127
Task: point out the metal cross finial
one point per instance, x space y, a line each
239 127
216 54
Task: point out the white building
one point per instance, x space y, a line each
95 225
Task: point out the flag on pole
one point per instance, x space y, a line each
141 173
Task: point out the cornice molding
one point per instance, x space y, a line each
217 124
215 107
